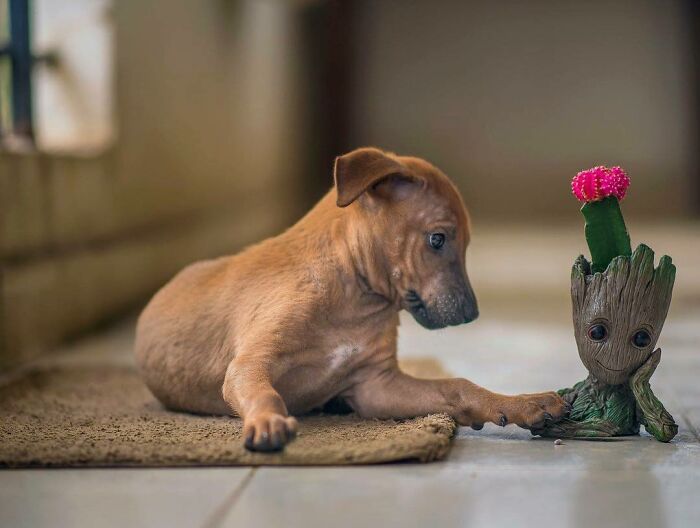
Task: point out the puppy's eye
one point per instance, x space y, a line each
641 339
597 332
436 240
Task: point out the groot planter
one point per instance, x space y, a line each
619 308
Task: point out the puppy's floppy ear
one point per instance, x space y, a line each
362 169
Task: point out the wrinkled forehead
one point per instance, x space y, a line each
442 201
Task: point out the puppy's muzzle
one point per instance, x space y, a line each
448 309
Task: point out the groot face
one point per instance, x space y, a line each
618 314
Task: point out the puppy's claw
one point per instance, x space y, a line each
268 432
503 420
249 444
534 411
276 442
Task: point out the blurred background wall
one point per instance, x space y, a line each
227 115
206 159
511 97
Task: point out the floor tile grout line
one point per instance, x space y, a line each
216 518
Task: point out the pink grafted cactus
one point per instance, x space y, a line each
600 182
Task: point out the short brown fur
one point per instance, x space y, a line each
312 314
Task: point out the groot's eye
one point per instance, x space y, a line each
641 339
436 240
597 332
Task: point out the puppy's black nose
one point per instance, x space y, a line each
471 314
470 308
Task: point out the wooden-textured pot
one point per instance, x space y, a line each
618 315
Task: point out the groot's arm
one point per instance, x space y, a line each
569 394
655 418
588 428
587 422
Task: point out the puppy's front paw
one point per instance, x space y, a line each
533 411
268 431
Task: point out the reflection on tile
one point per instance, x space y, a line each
456 495
114 497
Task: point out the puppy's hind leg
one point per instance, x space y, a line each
248 390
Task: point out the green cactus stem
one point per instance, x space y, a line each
606 232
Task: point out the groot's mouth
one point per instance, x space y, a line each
608 368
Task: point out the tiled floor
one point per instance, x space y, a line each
494 477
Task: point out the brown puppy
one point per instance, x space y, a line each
312 314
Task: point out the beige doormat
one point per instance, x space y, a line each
105 416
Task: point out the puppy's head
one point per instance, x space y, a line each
417 228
